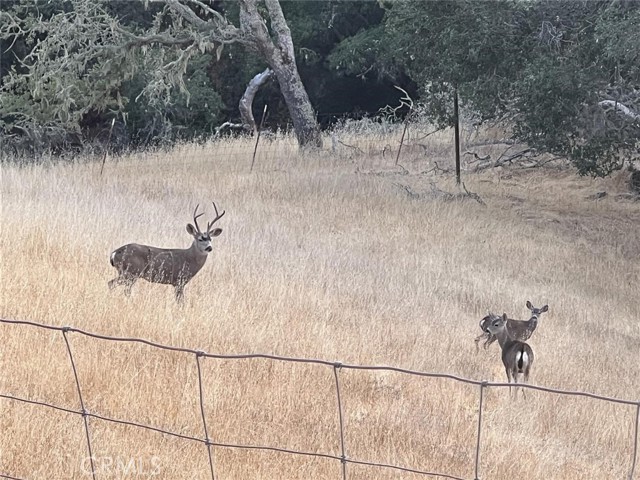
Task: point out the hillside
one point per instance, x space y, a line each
336 257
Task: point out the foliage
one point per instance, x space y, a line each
553 72
80 60
579 59
182 116
543 66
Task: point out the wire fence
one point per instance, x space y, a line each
342 457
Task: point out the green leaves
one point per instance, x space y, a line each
545 66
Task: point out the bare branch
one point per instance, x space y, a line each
478 157
209 10
620 108
475 196
218 30
246 101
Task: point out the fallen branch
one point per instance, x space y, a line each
477 157
440 194
473 195
358 149
436 169
227 125
431 133
501 162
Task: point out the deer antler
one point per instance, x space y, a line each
195 218
218 217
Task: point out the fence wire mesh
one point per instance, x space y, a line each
336 367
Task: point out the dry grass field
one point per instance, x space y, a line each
325 256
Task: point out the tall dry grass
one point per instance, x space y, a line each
326 256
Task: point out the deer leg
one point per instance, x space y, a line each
525 377
180 294
516 388
128 285
119 280
509 379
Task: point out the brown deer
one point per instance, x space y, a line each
517 329
170 266
517 356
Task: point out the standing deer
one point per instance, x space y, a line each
517 329
517 356
170 266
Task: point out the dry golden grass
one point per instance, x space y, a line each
322 256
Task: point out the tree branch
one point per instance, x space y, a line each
620 108
209 10
140 41
246 101
188 14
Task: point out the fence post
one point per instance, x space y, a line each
635 443
482 387
204 420
343 458
84 411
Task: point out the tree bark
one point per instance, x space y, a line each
280 56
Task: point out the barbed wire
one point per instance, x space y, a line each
336 368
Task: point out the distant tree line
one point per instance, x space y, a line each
562 77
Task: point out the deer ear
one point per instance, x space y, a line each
191 230
504 317
545 308
529 306
216 232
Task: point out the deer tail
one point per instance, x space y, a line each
522 358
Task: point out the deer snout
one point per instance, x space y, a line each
208 249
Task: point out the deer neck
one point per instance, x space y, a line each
504 340
196 257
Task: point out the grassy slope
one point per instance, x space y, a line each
319 259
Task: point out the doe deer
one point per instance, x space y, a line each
170 266
517 329
517 356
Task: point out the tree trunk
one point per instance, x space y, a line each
302 113
277 50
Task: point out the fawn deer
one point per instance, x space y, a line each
170 266
517 329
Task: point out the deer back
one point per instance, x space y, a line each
158 265
521 329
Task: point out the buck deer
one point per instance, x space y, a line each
517 329
170 266
517 356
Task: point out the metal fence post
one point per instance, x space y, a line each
204 419
482 387
635 443
83 410
343 458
